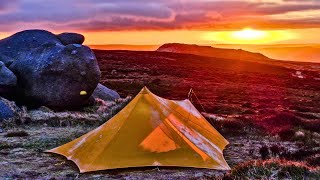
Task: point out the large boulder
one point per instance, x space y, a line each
5 111
16 46
7 79
71 38
105 93
50 73
57 76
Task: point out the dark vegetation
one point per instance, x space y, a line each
234 126
224 86
252 95
17 134
272 169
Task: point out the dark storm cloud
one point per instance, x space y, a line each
99 15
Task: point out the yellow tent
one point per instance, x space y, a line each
149 131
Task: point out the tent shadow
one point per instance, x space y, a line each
125 171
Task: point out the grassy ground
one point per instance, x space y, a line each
22 153
24 157
270 117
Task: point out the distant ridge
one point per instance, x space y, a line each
212 52
125 47
302 53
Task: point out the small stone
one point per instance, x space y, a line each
105 93
299 134
71 38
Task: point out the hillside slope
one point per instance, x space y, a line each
236 54
225 86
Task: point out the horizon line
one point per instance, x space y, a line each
200 44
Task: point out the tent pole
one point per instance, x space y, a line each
191 92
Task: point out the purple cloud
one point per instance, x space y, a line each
101 15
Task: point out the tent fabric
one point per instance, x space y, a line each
149 131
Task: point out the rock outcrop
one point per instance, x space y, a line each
50 73
57 76
71 38
6 60
105 93
5 111
16 46
7 79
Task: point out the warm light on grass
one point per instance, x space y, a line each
250 36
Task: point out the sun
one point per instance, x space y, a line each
249 34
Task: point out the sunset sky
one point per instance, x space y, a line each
162 21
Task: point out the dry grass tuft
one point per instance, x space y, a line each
273 169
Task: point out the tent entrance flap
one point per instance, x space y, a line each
149 131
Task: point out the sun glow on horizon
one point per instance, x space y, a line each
250 36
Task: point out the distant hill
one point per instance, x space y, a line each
290 52
237 54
